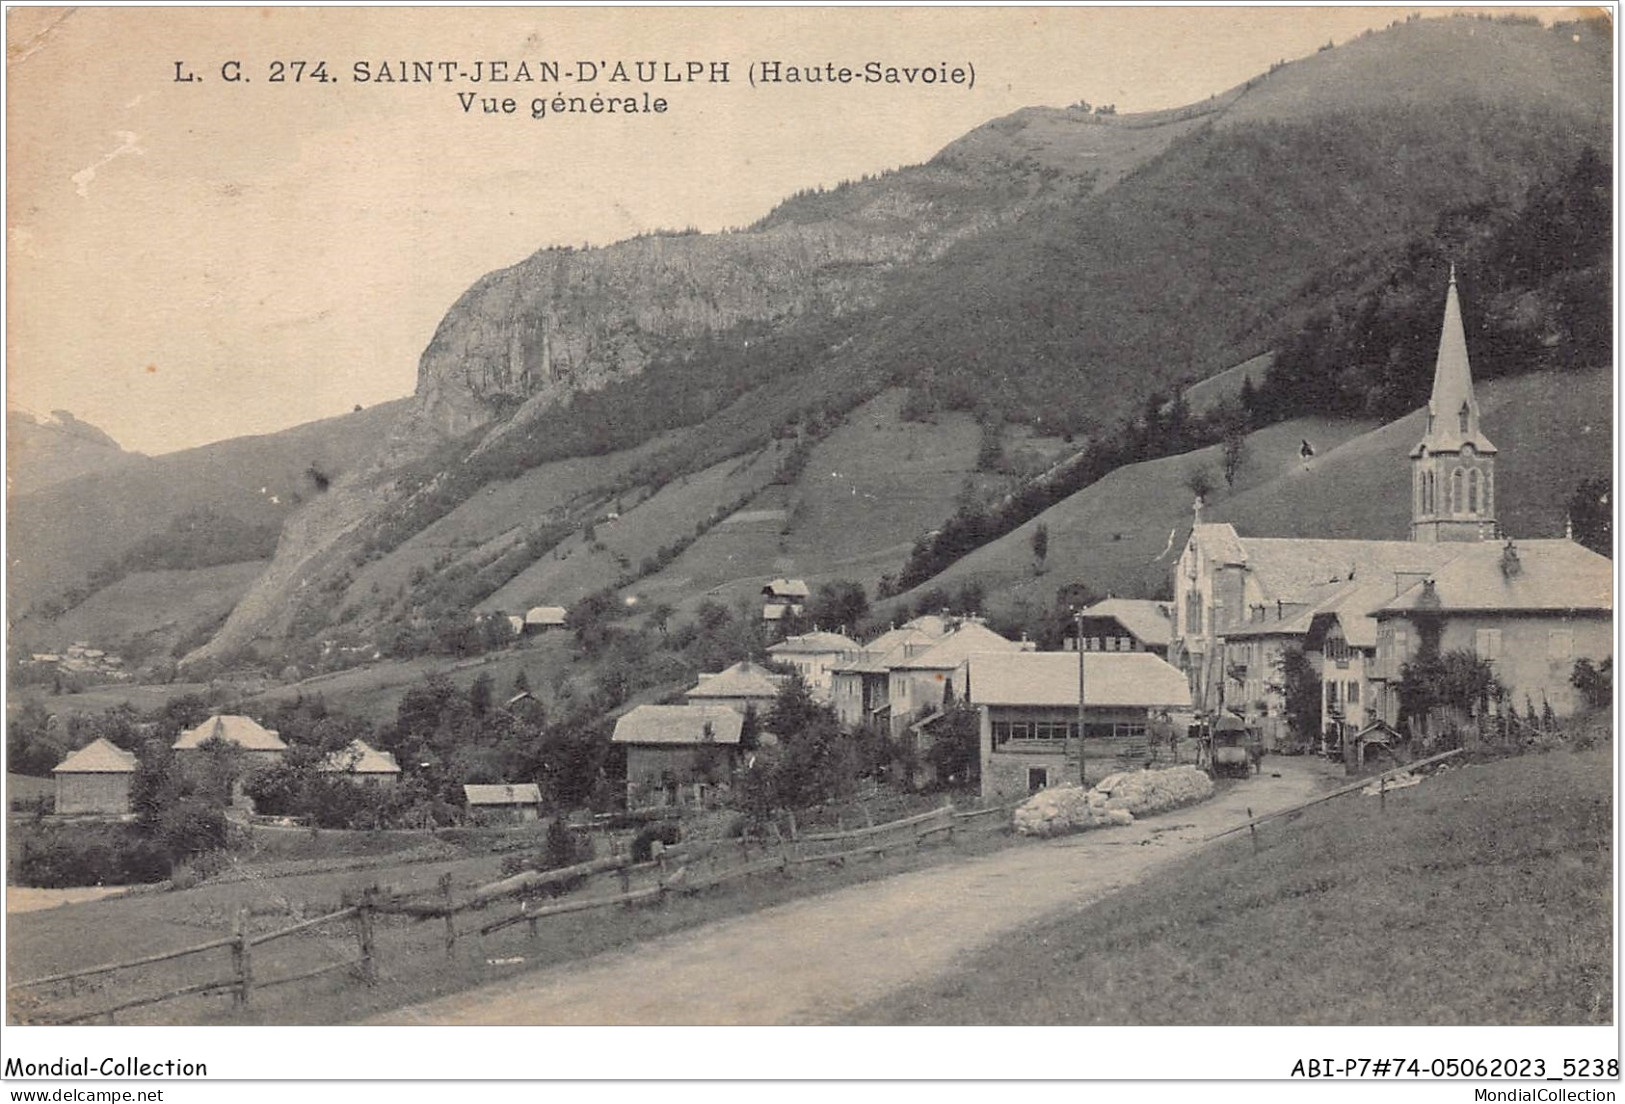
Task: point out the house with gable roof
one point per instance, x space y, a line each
676 753
814 655
738 687
95 779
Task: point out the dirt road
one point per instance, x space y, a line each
812 960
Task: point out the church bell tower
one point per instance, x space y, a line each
1453 468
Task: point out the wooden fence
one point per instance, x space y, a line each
1380 781
683 869
240 982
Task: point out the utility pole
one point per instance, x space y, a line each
1083 772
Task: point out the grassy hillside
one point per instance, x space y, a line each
160 608
1123 533
59 535
865 493
1346 915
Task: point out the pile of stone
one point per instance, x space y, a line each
1063 809
1155 791
1115 800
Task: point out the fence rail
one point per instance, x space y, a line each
684 869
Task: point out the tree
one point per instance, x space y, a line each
1199 481
480 692
838 604
1592 516
1459 683
1040 542
1297 682
1235 453
1594 681
955 752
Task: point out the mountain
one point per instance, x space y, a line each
60 535
1053 269
44 451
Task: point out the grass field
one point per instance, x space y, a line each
413 962
1481 896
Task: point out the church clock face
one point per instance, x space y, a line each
1467 450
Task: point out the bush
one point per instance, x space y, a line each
643 843
59 856
191 827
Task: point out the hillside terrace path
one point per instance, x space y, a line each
819 958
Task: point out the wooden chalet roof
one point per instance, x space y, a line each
679 724
359 757
743 680
100 756
245 732
1149 621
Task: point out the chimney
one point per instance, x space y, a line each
1196 510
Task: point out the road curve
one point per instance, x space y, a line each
813 960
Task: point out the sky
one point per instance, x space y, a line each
191 260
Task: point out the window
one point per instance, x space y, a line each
1464 414
1560 644
1487 644
1331 696
1037 778
1455 491
1353 694
1489 493
1472 491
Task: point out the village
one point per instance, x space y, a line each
1347 649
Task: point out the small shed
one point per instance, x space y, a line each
540 619
95 779
504 802
361 762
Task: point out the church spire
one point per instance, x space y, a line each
1453 408
1453 466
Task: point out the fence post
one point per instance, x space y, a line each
451 917
1382 793
364 918
660 870
242 959
1252 830
530 921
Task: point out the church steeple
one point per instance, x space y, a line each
1453 467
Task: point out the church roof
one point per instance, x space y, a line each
1453 394
1298 569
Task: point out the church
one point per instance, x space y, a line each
1361 609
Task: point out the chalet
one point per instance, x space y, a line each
1126 625
95 779
503 802
814 655
541 619
360 762
738 687
677 752
1028 702
784 596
